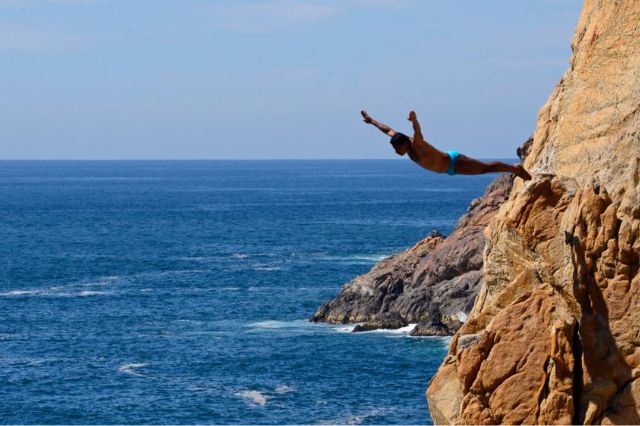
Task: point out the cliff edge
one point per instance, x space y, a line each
554 335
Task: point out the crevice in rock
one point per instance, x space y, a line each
578 384
543 393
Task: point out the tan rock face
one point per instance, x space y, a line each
554 335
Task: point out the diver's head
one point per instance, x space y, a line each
401 143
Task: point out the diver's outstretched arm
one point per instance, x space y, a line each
381 126
417 132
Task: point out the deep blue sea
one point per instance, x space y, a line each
178 292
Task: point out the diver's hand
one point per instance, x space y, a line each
365 117
412 116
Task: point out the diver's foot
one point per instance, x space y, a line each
521 172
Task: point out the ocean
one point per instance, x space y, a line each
178 291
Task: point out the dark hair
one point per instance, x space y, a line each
399 139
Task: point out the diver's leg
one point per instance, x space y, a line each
469 166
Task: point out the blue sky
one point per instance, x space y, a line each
196 79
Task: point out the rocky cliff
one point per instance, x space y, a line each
554 335
432 284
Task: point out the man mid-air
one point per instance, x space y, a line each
427 156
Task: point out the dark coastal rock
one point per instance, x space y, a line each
523 150
452 323
390 321
425 330
438 277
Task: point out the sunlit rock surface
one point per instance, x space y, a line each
554 335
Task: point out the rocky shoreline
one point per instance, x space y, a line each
433 284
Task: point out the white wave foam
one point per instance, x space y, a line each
70 289
197 258
19 292
198 388
347 328
239 256
358 420
368 257
273 324
399 332
285 389
130 369
253 397
86 293
288 328
58 291
108 280
266 268
402 330
157 274
355 258
189 321
361 418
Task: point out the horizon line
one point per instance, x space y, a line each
228 159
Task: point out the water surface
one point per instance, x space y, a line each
178 292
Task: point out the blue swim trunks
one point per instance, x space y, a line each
453 155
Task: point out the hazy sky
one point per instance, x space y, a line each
168 79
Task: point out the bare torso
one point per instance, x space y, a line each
428 157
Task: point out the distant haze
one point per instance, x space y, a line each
195 79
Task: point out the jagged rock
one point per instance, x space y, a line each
435 325
452 323
430 329
437 273
390 321
375 325
523 150
553 337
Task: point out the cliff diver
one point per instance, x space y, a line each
431 158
